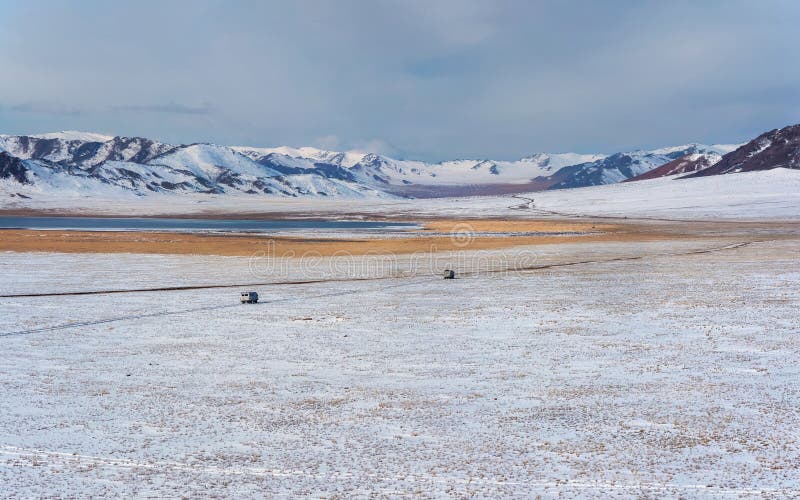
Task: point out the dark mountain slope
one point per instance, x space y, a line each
774 149
683 165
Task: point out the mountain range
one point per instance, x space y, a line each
89 164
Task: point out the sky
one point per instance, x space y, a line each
431 80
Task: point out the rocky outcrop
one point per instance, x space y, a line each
12 167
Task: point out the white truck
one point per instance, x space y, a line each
248 297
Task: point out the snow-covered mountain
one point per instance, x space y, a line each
82 149
84 163
779 148
691 162
622 166
378 170
87 164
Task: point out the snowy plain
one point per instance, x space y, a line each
672 374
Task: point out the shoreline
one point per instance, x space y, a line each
435 235
488 235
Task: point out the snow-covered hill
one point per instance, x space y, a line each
85 164
74 135
371 168
691 162
779 148
78 164
751 195
622 166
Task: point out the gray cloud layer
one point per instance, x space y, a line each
428 79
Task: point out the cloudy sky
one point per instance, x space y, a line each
421 79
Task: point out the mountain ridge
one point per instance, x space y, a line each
774 149
83 162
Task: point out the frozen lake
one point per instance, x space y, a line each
168 224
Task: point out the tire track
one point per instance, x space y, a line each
189 287
77 324
339 293
617 259
110 320
347 280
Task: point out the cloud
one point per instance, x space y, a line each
432 79
43 108
452 65
169 108
330 142
379 146
453 23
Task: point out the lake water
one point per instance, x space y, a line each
163 224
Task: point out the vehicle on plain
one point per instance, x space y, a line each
248 297
449 274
